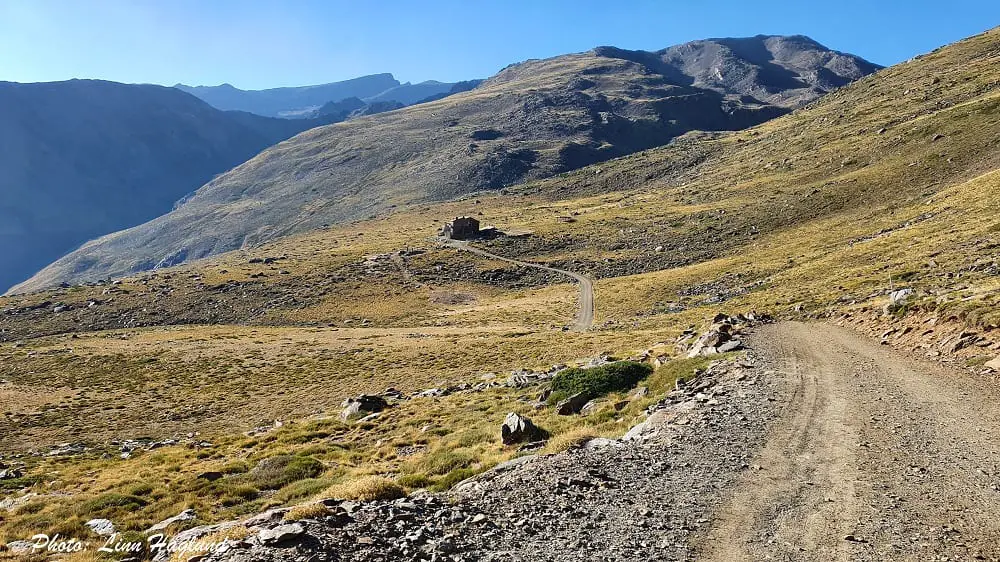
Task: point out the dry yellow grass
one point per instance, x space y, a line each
366 488
307 511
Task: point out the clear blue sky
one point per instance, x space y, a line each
267 43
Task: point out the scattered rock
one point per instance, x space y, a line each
519 429
362 405
590 407
210 475
572 405
101 527
731 345
186 515
280 534
20 547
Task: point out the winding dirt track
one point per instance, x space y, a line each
875 457
585 313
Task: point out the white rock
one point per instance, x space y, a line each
101 527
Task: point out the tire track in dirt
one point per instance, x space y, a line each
874 457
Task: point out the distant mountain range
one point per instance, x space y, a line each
304 101
82 158
532 120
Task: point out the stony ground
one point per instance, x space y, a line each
820 445
639 498
877 456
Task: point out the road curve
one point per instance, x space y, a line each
585 313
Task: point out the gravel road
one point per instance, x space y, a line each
820 445
876 456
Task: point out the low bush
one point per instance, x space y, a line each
307 511
443 461
279 471
598 381
111 504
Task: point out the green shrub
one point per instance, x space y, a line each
414 481
235 467
234 493
443 461
665 378
141 489
109 504
279 471
302 489
598 381
454 477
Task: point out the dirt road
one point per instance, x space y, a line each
819 445
873 457
585 313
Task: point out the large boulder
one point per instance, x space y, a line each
994 364
280 534
572 405
897 300
519 429
362 405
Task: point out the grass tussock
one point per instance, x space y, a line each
368 488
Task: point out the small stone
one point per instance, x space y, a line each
101 527
210 475
280 534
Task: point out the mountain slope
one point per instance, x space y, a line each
291 101
889 183
531 120
409 94
82 158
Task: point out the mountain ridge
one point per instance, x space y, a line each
82 158
302 101
531 120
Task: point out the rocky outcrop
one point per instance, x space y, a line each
573 404
725 334
363 405
519 429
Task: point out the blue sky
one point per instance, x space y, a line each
267 43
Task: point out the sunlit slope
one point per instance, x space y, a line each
530 121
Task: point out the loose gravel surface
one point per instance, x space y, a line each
876 456
636 499
821 445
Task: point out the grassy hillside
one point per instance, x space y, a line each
531 120
892 180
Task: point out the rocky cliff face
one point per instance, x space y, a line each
531 120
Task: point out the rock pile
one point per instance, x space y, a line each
725 334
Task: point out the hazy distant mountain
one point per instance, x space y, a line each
531 120
293 101
409 94
303 101
83 158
